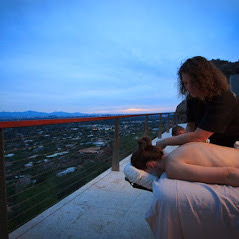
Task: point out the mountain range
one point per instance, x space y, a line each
35 114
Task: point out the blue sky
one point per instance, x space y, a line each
107 56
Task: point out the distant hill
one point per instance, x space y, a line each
228 68
34 114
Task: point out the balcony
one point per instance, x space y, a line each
105 207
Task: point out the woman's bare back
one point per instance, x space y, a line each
208 155
207 163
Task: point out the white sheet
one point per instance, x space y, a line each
192 210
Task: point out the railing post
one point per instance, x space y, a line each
146 129
168 124
3 195
115 160
176 118
160 126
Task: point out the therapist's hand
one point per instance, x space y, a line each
161 144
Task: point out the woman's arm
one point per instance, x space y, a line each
199 135
214 175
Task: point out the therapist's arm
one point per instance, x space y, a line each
199 135
191 127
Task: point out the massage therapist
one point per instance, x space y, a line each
212 109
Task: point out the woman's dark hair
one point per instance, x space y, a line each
145 153
204 75
176 129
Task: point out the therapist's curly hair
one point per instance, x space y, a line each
146 152
204 75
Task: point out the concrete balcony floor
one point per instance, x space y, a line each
105 208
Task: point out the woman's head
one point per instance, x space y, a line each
145 154
177 130
202 78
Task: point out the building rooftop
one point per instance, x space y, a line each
107 207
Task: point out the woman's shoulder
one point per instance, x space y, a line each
229 93
226 97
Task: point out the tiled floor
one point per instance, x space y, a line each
105 208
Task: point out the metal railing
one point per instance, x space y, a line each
120 149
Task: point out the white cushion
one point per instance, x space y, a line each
139 176
236 145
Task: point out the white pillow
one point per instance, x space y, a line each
139 176
236 145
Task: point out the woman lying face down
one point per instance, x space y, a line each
199 162
148 157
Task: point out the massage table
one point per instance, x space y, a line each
189 210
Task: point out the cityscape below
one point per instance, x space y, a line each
49 162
